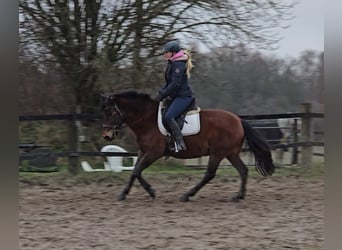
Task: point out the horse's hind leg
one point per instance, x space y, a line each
243 171
213 164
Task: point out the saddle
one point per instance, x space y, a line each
181 118
188 121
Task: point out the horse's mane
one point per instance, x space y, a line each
132 94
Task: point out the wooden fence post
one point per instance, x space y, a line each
306 136
295 140
73 160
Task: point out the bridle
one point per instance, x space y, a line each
123 120
116 128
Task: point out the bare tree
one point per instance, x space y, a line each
89 38
41 93
319 81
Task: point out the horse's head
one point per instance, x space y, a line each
129 107
112 117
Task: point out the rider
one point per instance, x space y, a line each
177 89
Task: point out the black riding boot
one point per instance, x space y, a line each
177 135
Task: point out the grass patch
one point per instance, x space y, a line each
317 169
160 170
63 177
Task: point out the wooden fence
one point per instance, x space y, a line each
306 143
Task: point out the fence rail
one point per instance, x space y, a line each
276 116
70 117
26 156
73 154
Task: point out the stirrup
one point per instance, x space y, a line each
176 149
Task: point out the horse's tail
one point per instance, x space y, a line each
258 145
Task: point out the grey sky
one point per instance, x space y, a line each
306 31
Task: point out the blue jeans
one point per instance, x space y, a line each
177 107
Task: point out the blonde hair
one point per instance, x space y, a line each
189 64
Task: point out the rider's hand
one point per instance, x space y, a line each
158 98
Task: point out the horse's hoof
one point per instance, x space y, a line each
184 198
121 197
238 197
152 193
235 199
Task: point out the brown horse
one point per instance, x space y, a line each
221 136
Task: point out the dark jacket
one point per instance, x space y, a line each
177 84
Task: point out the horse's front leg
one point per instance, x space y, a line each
144 161
127 188
147 186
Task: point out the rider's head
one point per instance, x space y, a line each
171 48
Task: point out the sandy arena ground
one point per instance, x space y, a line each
278 213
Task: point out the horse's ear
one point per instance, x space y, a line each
107 99
104 99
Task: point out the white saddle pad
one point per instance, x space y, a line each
191 126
